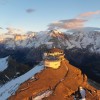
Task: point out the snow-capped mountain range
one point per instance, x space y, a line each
77 39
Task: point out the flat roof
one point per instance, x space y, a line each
55 50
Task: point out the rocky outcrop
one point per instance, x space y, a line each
63 82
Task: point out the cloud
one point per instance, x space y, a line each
12 30
67 24
1 28
85 29
89 14
30 10
74 23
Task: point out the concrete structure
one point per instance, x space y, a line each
53 58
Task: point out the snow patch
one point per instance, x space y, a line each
11 87
43 95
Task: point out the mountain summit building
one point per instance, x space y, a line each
53 58
60 84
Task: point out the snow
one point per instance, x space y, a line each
82 38
45 94
83 94
10 88
3 64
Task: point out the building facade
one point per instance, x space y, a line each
53 58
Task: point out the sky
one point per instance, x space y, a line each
41 15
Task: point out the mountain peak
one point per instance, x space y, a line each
62 82
55 31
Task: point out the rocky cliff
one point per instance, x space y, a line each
61 83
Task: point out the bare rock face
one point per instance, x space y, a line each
63 82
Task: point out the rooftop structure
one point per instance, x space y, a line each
53 58
54 50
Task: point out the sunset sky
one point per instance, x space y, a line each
40 15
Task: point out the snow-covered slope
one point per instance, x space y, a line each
3 63
79 39
10 88
90 40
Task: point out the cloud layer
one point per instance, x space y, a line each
74 23
12 30
1 28
89 14
67 24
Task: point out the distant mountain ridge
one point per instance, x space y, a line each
81 39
